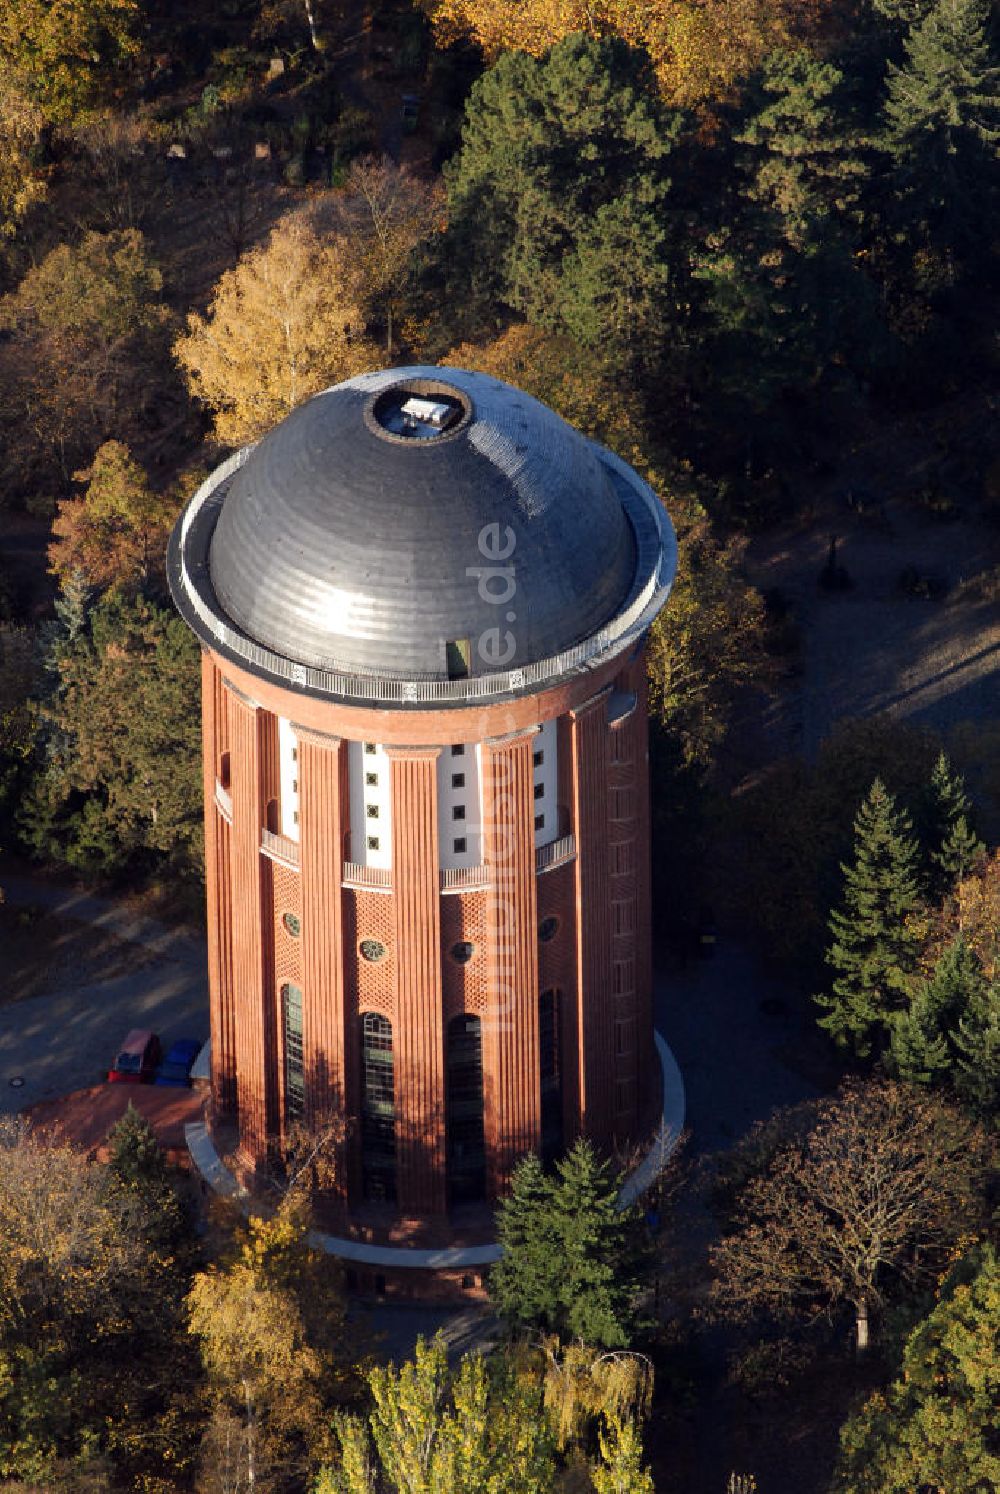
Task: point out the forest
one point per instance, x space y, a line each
725 238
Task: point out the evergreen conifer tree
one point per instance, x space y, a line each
873 949
785 294
922 1038
570 1265
521 1281
950 841
977 1051
942 125
136 1156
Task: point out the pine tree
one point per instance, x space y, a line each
785 293
570 1264
521 1281
922 1037
596 1278
942 119
977 1051
950 842
919 1049
873 948
136 1156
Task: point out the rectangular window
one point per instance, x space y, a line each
371 810
459 845
539 822
457 656
458 780
538 757
458 749
291 999
295 785
458 812
370 748
373 842
539 790
295 754
371 779
295 817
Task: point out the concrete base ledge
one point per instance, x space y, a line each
213 1170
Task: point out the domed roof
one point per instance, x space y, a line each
421 536
402 512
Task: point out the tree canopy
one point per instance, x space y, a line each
935 1427
866 1196
282 325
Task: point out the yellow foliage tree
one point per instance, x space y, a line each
21 185
115 535
266 1326
701 49
281 326
64 52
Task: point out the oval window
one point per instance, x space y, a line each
462 952
293 924
372 950
547 929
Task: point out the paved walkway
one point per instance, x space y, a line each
67 1038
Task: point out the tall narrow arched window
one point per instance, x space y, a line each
550 1064
378 1108
466 1141
295 1083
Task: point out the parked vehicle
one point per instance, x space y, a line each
137 1058
176 1067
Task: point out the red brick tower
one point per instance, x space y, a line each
422 601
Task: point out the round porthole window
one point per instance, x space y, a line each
462 952
293 924
547 929
372 950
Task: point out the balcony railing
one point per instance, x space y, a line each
224 801
280 848
356 875
556 853
464 878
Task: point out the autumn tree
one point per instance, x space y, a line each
701 52
22 184
480 1429
87 1352
621 1469
384 213
116 534
270 1326
84 355
66 53
119 782
859 1204
874 946
935 1426
281 326
562 174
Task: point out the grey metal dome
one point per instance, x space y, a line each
421 536
346 541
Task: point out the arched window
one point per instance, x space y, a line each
378 1108
550 1064
466 1141
295 1083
